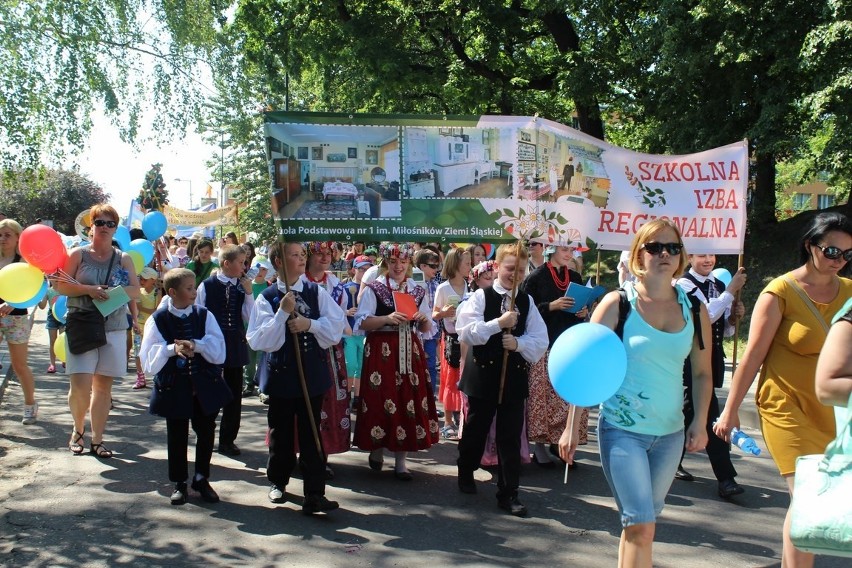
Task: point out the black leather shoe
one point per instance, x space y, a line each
403 475
513 506
683 475
375 465
179 494
729 488
229 449
466 482
207 493
318 504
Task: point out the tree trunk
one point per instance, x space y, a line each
763 199
589 119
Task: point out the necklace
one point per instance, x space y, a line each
561 283
394 285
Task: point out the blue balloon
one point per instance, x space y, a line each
143 247
722 275
154 225
587 364
60 308
32 301
122 237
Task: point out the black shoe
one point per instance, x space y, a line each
513 506
229 449
683 475
318 504
375 465
729 488
179 494
545 464
403 475
248 392
276 494
466 482
440 413
207 493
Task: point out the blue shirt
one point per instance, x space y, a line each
650 401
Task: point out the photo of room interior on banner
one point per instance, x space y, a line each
352 172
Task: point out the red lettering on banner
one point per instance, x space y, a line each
689 171
690 227
716 198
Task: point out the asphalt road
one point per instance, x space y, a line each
62 510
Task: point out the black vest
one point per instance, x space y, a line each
227 307
718 332
279 376
176 384
481 376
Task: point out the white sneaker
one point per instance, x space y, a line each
30 413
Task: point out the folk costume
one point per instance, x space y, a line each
547 412
397 408
279 379
228 302
478 327
185 390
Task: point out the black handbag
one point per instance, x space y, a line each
452 350
86 329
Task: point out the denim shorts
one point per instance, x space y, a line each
639 469
51 322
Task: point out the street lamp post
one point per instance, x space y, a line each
190 189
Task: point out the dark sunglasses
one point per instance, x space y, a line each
833 253
433 266
102 223
657 248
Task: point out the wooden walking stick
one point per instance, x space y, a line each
298 351
505 331
737 324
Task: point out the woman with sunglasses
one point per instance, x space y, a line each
97 268
640 429
789 325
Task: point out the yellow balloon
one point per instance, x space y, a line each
60 348
20 282
138 261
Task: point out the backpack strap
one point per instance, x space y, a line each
696 318
623 312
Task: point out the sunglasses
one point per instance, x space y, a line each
833 253
657 248
102 223
433 266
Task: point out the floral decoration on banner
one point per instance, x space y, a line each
649 196
396 250
153 195
528 225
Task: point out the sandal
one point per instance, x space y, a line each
100 451
75 445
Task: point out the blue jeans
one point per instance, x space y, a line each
639 469
430 346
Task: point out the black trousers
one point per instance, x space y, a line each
718 450
510 422
283 416
177 432
232 411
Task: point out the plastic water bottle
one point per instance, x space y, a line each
744 442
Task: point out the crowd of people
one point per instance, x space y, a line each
392 347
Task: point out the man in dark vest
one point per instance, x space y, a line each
227 295
294 308
724 311
488 327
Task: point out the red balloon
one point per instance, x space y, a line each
42 247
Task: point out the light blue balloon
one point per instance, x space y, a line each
60 308
722 275
122 237
32 301
143 247
154 225
587 364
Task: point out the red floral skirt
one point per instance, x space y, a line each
448 390
546 412
397 409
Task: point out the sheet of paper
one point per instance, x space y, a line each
117 298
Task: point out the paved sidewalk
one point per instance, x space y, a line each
62 510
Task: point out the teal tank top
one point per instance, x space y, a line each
650 401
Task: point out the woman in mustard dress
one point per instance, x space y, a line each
788 328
